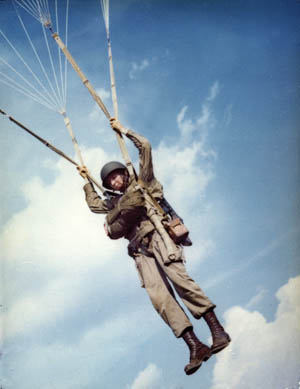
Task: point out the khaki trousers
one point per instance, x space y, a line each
155 277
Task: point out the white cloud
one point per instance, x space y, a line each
200 126
150 378
138 67
262 354
214 91
56 237
178 168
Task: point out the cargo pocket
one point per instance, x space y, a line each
138 266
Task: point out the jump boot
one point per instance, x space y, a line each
220 338
199 352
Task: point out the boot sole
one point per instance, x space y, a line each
193 369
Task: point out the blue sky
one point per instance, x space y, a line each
215 87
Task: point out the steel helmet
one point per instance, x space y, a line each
109 168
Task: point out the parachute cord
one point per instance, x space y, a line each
36 9
66 62
27 67
58 94
14 85
28 8
38 59
59 60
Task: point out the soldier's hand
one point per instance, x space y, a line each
117 126
83 171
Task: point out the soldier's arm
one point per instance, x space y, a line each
94 201
145 151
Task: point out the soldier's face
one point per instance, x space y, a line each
116 180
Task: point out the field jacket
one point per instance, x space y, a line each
128 217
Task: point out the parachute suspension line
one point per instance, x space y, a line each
37 57
62 79
28 68
37 96
13 84
43 16
59 54
105 12
38 9
66 61
59 92
56 94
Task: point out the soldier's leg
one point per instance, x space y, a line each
192 295
155 282
161 294
189 291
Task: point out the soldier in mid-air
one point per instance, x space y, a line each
126 216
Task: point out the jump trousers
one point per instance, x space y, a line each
155 275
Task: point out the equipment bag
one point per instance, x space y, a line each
177 230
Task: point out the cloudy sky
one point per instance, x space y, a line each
215 87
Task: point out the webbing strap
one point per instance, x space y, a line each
142 184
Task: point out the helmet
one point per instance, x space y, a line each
109 168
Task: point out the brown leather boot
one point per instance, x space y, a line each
220 338
199 352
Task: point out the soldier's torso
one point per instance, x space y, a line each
130 212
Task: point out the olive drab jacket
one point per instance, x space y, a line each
128 216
